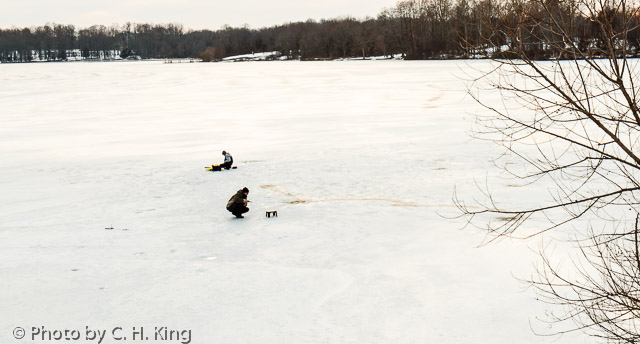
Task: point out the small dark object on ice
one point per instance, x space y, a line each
272 212
109 228
234 167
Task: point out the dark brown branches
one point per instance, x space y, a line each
602 296
570 128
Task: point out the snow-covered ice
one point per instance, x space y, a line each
360 160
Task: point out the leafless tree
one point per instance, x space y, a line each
570 116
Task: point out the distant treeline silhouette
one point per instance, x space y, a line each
417 29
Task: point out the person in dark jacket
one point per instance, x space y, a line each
237 204
228 160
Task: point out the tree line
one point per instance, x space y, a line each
417 29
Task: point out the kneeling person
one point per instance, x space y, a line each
237 204
228 160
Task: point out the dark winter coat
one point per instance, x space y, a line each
238 198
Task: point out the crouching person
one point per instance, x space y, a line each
237 204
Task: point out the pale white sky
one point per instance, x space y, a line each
195 14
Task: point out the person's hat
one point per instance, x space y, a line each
224 152
245 190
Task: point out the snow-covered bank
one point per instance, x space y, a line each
358 158
275 55
262 56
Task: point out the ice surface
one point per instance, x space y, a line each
359 158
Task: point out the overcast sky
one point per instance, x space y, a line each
194 14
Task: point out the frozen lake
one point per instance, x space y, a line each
360 159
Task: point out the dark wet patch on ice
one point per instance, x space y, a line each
505 218
297 198
434 99
146 210
300 200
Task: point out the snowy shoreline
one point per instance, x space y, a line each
258 57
